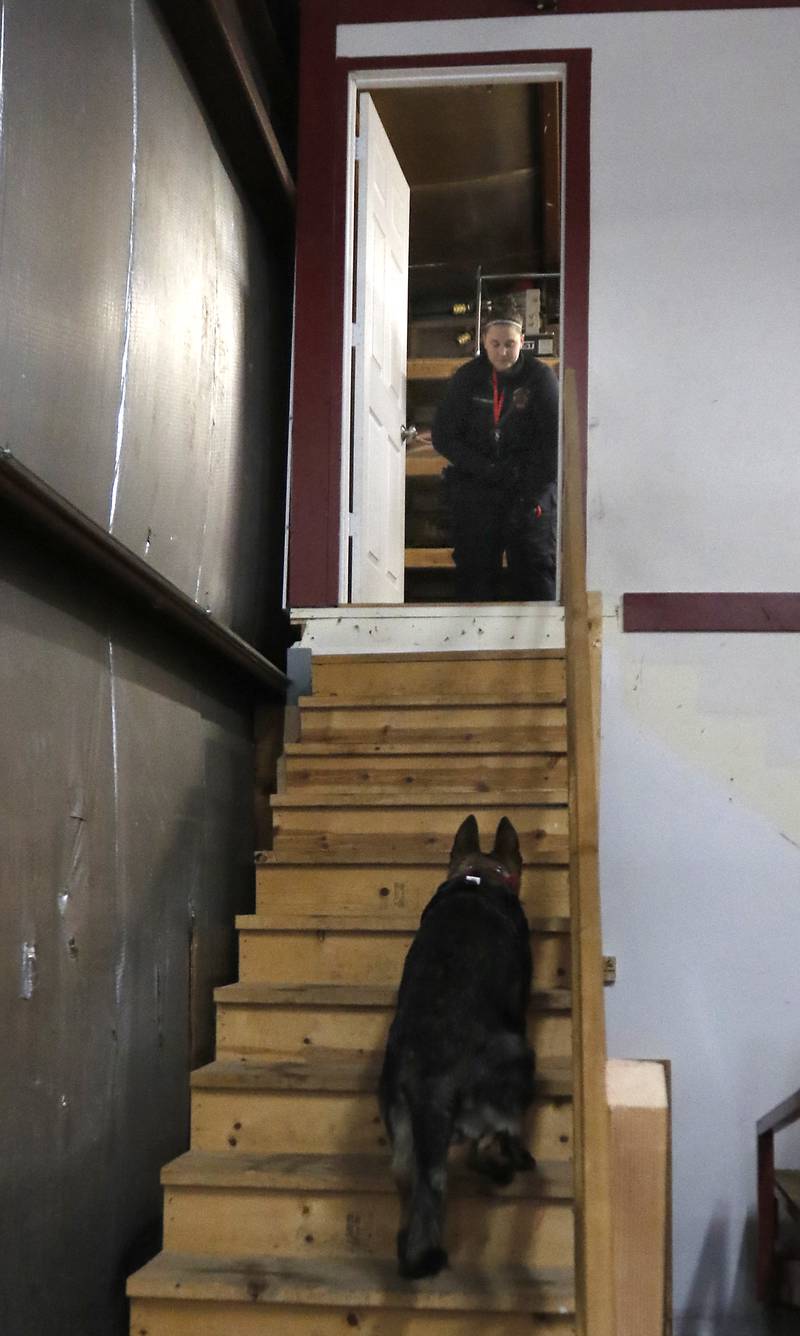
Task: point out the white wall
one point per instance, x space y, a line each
694 404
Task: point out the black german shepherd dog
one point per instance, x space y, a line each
458 1064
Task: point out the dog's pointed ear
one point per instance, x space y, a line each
466 842
506 846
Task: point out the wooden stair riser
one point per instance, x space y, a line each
396 892
481 774
260 1122
536 826
352 676
481 1231
186 1318
346 957
306 848
538 725
247 1030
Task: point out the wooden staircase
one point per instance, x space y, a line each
282 1217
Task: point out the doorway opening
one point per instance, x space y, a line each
480 153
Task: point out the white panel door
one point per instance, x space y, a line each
379 389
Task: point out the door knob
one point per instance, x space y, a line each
407 434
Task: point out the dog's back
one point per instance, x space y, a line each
457 1060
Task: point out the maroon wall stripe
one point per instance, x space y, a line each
316 432
711 612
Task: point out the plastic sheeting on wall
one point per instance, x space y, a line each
135 301
142 364
126 839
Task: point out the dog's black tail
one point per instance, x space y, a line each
419 1244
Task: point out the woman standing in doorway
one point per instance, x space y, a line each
498 427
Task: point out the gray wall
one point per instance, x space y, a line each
142 374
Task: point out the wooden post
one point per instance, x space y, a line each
767 1218
594 1271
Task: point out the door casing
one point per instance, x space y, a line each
328 90
363 81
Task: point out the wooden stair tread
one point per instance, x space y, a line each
351 1283
545 795
488 746
318 850
339 1070
450 701
394 920
551 1180
255 993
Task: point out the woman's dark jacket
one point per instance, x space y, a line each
520 454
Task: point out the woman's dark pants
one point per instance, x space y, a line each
489 521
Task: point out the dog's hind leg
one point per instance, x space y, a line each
420 1244
402 1140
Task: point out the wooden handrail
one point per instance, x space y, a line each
594 1272
781 1116
776 1120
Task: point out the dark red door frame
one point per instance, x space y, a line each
320 296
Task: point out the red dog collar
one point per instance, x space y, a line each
509 879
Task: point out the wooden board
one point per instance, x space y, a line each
164 1317
427 465
370 958
551 1180
306 771
350 1283
253 1122
392 798
546 843
399 675
640 1137
445 726
378 889
267 1032
429 559
348 996
434 368
444 700
541 741
267 1020
346 1223
429 818
335 1070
